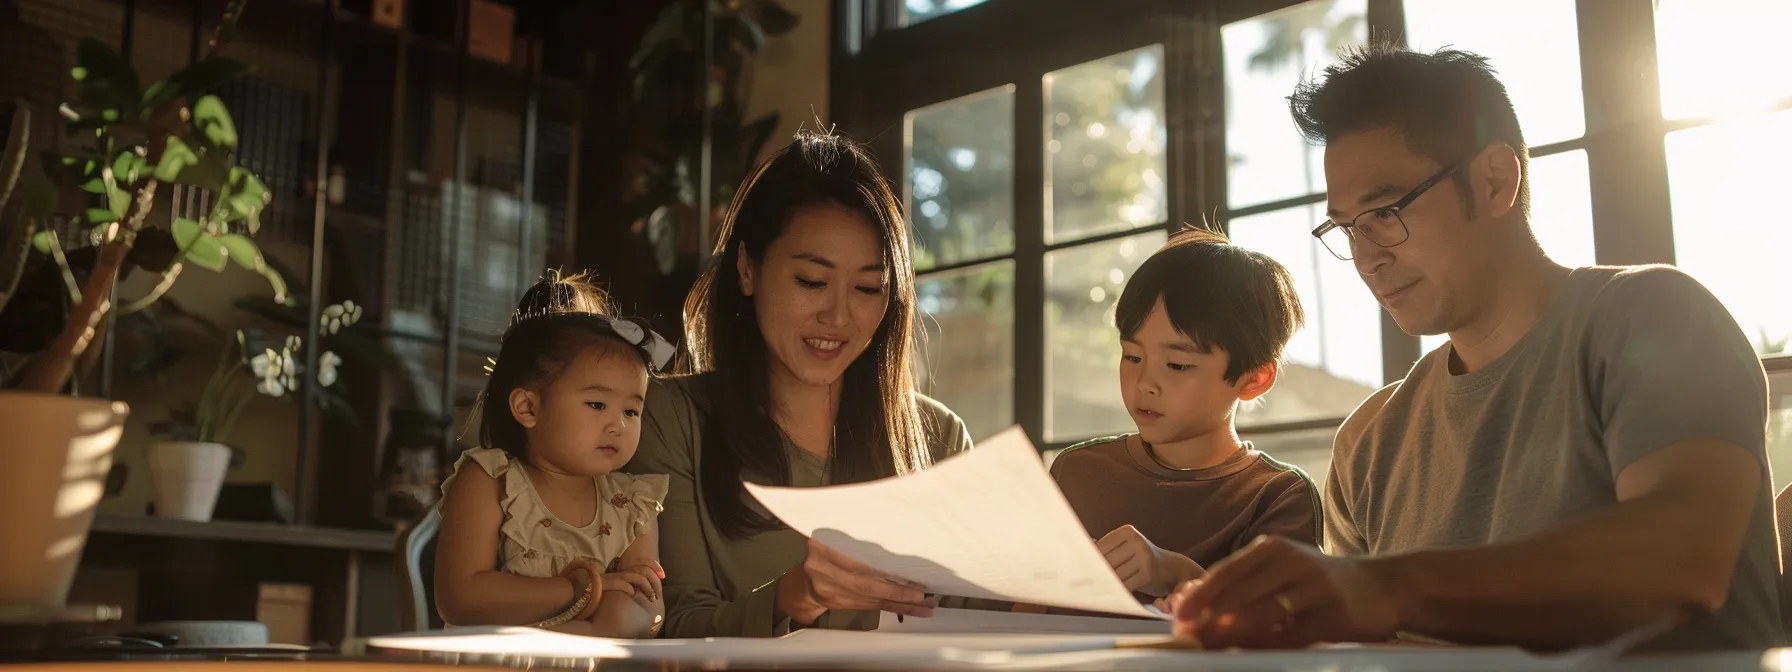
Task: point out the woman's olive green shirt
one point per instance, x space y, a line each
717 586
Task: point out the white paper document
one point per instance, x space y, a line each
520 647
989 523
511 645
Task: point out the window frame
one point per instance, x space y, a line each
881 70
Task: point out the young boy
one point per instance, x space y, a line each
1202 325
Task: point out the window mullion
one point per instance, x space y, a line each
1029 257
1195 119
1626 170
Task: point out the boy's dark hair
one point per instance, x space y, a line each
537 346
1448 104
1218 294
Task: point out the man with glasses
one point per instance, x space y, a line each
1585 460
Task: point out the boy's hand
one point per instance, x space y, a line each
1144 567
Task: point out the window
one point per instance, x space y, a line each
1333 363
1265 57
1534 46
961 179
1720 178
1719 57
916 11
1104 210
1082 347
960 203
1105 143
1026 229
972 371
1779 428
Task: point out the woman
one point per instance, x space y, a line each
800 336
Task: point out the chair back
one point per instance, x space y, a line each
416 574
1782 516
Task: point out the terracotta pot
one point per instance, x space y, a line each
186 477
58 450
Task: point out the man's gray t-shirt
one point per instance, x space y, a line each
1623 362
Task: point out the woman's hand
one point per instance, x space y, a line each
828 580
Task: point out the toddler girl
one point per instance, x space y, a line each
538 526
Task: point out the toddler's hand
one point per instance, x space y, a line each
629 582
654 574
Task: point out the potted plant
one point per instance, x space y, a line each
187 468
669 94
125 141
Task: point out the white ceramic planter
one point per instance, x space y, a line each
58 450
186 477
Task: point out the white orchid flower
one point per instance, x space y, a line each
271 387
259 365
326 368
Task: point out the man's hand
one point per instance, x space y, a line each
1142 566
1283 594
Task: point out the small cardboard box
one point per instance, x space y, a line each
286 609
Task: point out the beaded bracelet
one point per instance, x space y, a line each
572 612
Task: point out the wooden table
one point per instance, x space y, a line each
1770 661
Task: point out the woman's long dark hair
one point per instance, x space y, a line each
878 431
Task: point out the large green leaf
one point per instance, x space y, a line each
128 168
182 164
213 120
176 157
198 246
100 216
198 78
242 251
247 197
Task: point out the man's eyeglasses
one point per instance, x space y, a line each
1381 226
